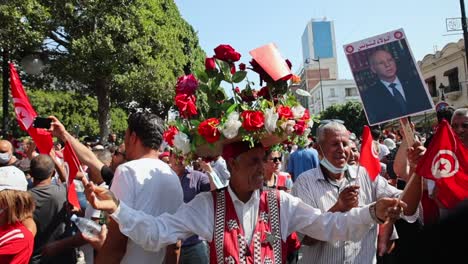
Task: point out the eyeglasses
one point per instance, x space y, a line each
117 152
276 159
464 126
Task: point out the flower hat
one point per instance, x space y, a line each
208 118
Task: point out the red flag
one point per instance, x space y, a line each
74 165
25 114
369 159
446 162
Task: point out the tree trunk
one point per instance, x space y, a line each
103 97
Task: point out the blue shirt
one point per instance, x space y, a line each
193 182
301 160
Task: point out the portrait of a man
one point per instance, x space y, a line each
389 82
393 94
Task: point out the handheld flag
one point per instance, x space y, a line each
25 114
70 157
446 162
369 159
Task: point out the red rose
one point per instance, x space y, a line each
264 92
208 129
252 120
284 112
248 95
186 105
242 67
306 115
237 90
233 68
210 64
186 84
226 53
300 127
169 135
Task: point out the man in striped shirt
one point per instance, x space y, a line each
336 187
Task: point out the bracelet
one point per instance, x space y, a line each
373 214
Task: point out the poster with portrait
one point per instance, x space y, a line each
388 78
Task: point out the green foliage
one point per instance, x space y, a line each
351 113
125 51
76 111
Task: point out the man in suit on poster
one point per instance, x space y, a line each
392 95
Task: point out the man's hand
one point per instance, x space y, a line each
389 209
100 198
97 241
415 153
57 129
348 198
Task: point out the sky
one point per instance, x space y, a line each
248 24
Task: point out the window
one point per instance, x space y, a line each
454 84
332 92
351 91
432 86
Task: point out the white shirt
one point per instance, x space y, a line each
197 217
315 190
398 86
150 186
220 167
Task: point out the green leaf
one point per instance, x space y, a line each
239 76
204 88
302 92
231 109
202 76
195 123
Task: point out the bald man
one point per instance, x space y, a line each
6 155
394 93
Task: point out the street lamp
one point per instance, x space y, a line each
320 79
442 94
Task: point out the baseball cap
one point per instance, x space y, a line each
389 143
12 178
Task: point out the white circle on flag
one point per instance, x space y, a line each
445 164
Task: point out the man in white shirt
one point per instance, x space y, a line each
236 212
336 187
145 183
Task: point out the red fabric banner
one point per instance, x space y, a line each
25 114
445 162
369 159
74 165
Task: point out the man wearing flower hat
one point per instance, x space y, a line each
242 223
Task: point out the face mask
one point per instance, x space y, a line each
335 170
4 158
330 167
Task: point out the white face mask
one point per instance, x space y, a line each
5 158
329 166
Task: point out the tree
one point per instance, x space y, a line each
351 113
76 111
119 50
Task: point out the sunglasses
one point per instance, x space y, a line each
276 159
464 126
117 152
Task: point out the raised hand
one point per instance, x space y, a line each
100 198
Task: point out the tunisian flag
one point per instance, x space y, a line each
25 114
446 163
74 165
369 159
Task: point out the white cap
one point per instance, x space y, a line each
12 178
389 143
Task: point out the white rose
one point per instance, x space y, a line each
298 111
182 142
232 125
288 126
271 117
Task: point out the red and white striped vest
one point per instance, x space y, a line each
229 244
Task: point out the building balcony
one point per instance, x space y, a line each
453 95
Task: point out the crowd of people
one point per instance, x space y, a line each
310 203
